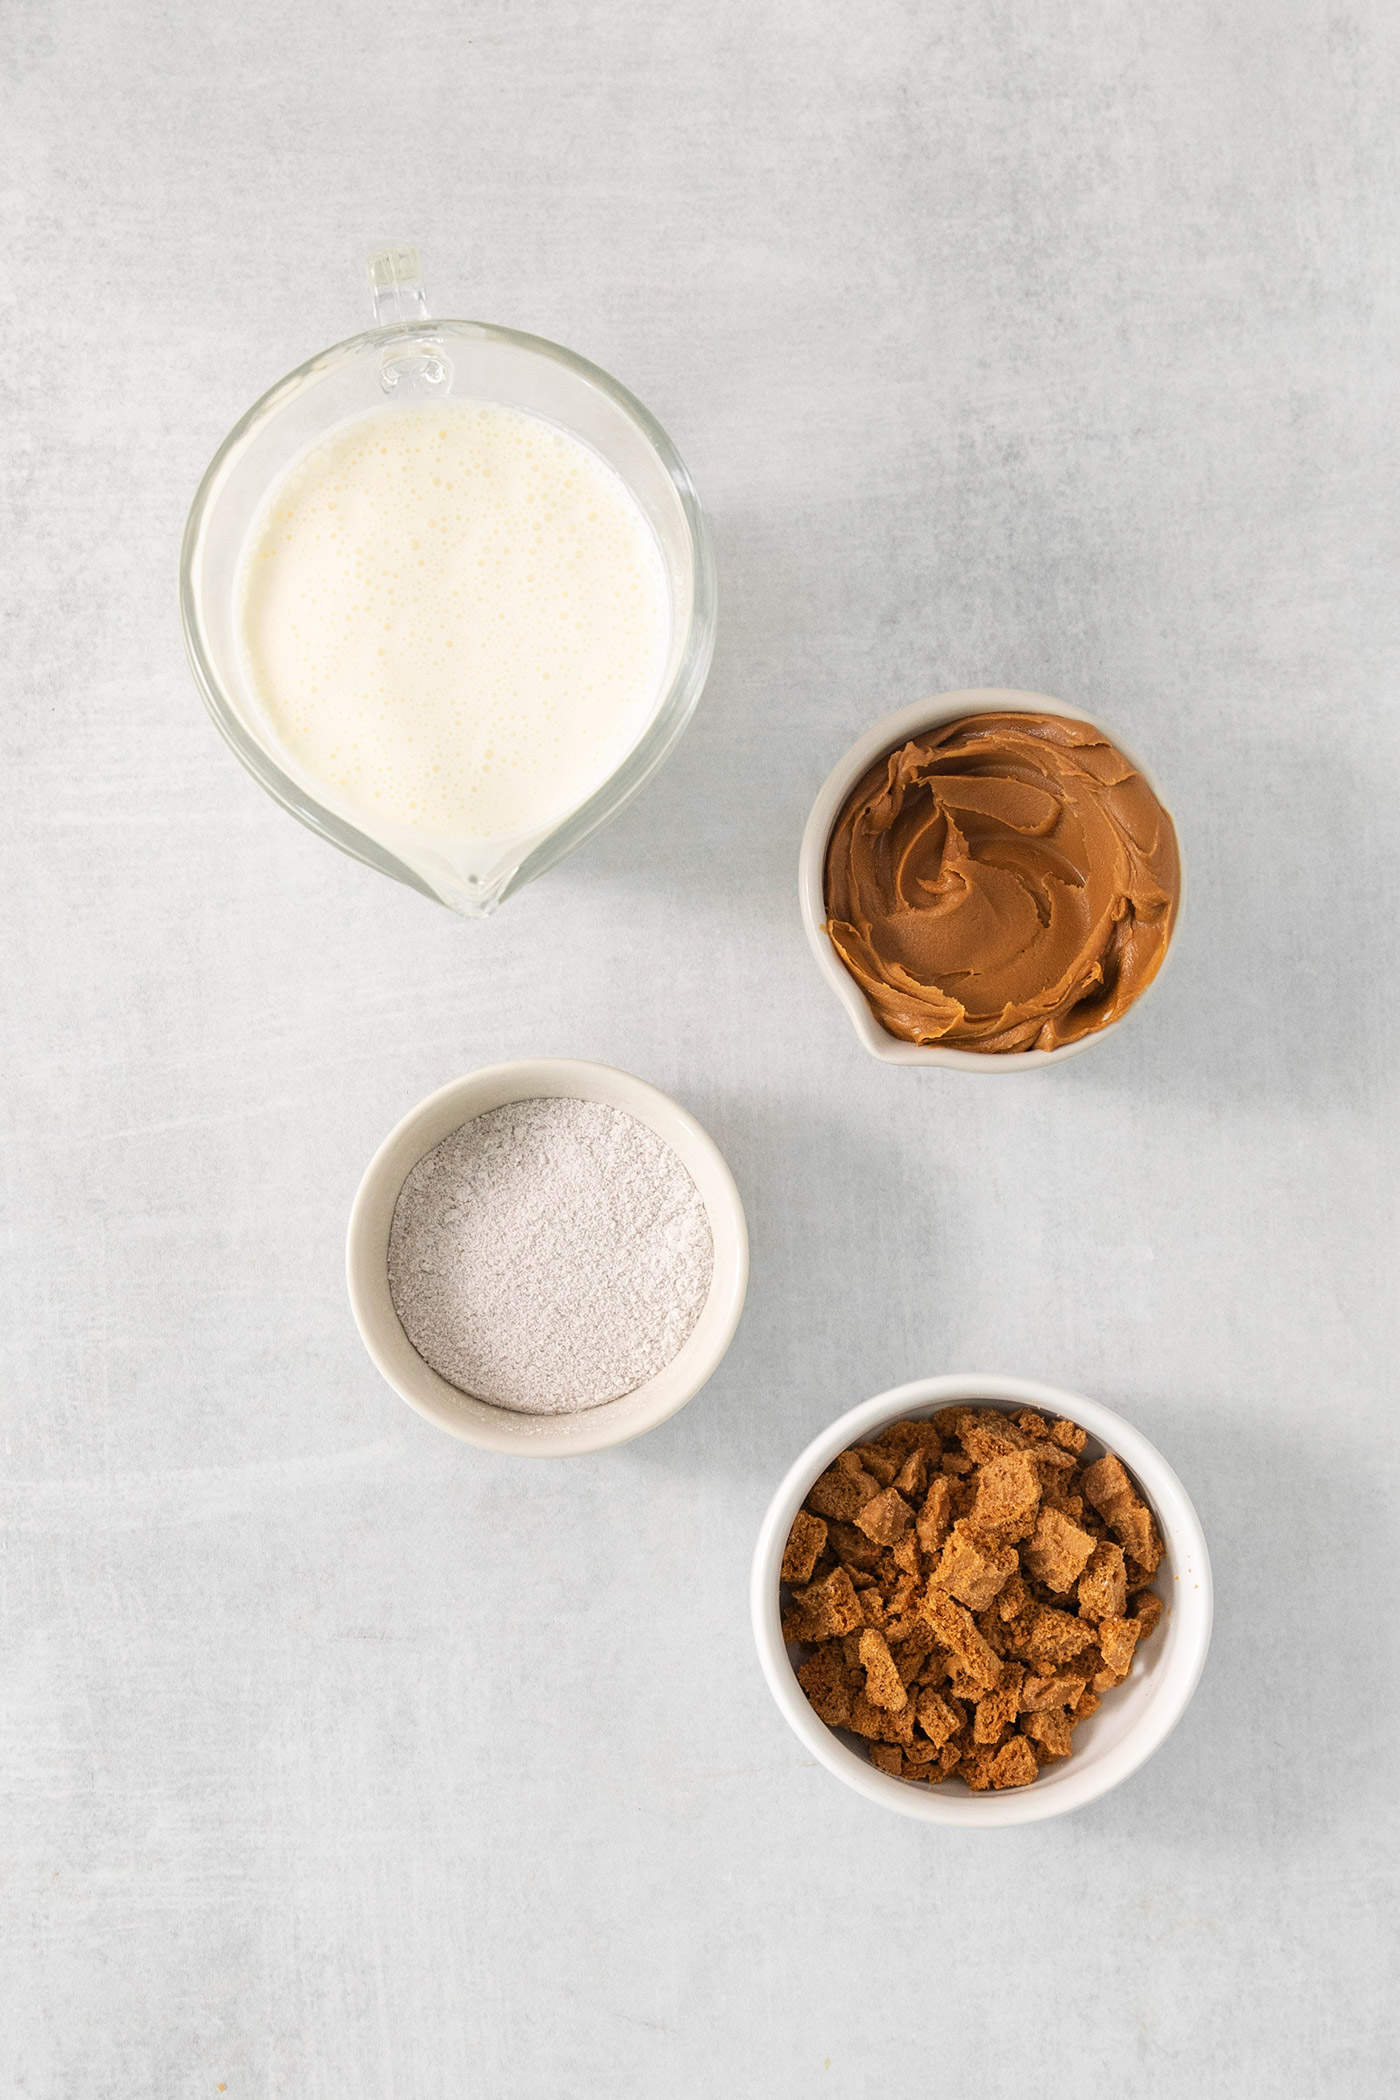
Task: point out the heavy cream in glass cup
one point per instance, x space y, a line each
447 590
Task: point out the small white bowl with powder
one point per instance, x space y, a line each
547 1257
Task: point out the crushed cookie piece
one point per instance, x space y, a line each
1108 1488
953 1626
948 1759
920 1752
886 1517
886 1758
936 1717
989 1434
804 1547
881 1724
882 1464
1054 1637
883 1684
1103 1587
1052 1728
991 1628
1008 1496
1147 1610
1038 1694
913 1434
910 1649
912 1477
1057 1551
828 1607
852 1548
905 1555
975 1768
1069 1436
935 1518
1054 1461
972 1568
843 1489
1117 1640
997 1711
1014 1764
826 1679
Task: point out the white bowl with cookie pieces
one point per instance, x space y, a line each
892 730
962 1704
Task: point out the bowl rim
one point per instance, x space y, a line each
1191 1605
931 713
476 1421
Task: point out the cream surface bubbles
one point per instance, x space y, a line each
454 621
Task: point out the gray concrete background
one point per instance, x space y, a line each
1048 345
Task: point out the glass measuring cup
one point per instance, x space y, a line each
411 358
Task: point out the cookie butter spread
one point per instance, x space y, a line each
1003 882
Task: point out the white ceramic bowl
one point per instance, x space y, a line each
500 1428
1135 1718
890 730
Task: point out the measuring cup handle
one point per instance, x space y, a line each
413 361
396 287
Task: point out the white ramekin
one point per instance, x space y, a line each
500 1428
1134 1719
811 876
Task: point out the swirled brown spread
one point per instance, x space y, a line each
1003 882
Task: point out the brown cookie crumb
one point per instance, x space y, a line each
1014 1764
1103 1587
905 1555
973 1568
826 1679
1057 1551
995 1713
935 1518
843 1490
1117 1640
903 1437
828 1607
882 1464
1053 1729
987 1434
852 1548
1108 1488
1147 1609
1008 1496
1040 1693
937 1718
886 1517
922 1583
971 1661
912 1477
804 1547
883 1684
